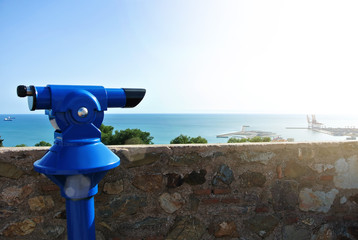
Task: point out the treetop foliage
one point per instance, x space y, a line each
124 137
43 144
184 139
21 145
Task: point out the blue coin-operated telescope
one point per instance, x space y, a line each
78 160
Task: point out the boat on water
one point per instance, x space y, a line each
9 118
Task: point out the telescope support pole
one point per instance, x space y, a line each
80 219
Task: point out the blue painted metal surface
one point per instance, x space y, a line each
80 218
78 160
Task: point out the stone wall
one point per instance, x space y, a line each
228 191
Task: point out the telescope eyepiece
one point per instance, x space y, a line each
21 91
24 91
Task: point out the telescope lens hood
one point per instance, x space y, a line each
133 96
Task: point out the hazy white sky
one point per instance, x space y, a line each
192 56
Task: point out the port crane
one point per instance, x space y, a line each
313 123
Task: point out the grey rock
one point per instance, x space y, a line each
186 228
225 175
262 225
53 231
291 233
285 195
171 202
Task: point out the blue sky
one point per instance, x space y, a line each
192 56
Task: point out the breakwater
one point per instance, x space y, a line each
348 131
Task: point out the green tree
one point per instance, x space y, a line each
199 139
184 139
21 145
122 137
43 144
237 140
266 139
106 134
254 139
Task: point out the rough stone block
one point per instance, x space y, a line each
148 183
125 205
10 171
53 231
285 195
262 225
346 169
317 201
252 179
194 203
185 160
322 167
261 157
20 228
295 170
41 203
225 175
292 233
141 159
171 202
113 188
187 228
15 195
226 229
324 233
149 222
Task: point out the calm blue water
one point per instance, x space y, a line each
30 129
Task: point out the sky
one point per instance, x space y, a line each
192 56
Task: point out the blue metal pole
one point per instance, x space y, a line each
80 219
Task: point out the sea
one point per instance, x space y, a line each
30 129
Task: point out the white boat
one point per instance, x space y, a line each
9 118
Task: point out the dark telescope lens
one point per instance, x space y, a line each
133 96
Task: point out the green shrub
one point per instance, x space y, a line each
124 137
184 139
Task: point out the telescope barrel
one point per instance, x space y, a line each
124 97
53 95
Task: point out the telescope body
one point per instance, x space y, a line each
78 160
